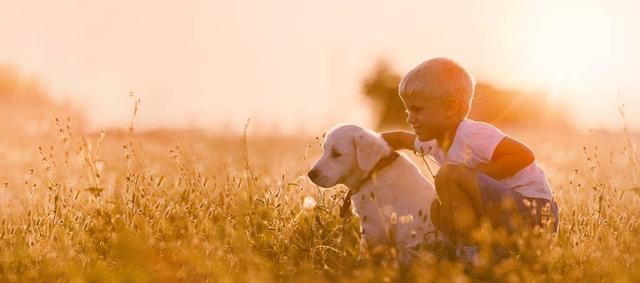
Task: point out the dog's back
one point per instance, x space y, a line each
395 207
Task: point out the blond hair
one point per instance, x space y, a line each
440 78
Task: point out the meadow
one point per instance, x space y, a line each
165 206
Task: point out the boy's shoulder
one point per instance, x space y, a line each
479 137
475 129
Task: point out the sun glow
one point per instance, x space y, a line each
571 48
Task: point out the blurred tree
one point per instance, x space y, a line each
26 108
381 86
493 105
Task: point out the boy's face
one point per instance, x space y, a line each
429 118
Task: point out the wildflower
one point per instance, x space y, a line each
406 218
394 218
99 165
309 202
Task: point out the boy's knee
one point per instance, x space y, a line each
452 174
457 179
446 180
449 182
448 172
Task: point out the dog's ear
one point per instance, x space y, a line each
368 150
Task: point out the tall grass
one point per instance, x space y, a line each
194 207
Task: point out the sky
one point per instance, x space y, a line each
298 65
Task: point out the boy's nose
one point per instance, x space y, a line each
410 118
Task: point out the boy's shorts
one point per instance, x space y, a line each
532 211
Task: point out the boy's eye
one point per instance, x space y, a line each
335 153
413 110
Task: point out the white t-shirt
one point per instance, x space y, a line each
473 145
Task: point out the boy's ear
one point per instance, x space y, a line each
452 107
368 151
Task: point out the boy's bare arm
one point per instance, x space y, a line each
399 139
509 157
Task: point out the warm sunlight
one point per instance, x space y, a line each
93 54
572 47
319 141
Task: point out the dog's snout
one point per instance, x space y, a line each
313 174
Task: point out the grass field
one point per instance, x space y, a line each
168 205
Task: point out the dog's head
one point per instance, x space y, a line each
350 152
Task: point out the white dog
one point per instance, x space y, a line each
390 195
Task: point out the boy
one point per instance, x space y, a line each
481 167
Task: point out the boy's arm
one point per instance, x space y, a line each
509 157
399 139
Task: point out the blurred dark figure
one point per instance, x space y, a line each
381 86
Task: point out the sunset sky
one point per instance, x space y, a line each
296 63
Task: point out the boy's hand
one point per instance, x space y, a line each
509 157
399 140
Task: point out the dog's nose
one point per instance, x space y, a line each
313 174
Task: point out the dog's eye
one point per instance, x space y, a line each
335 154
